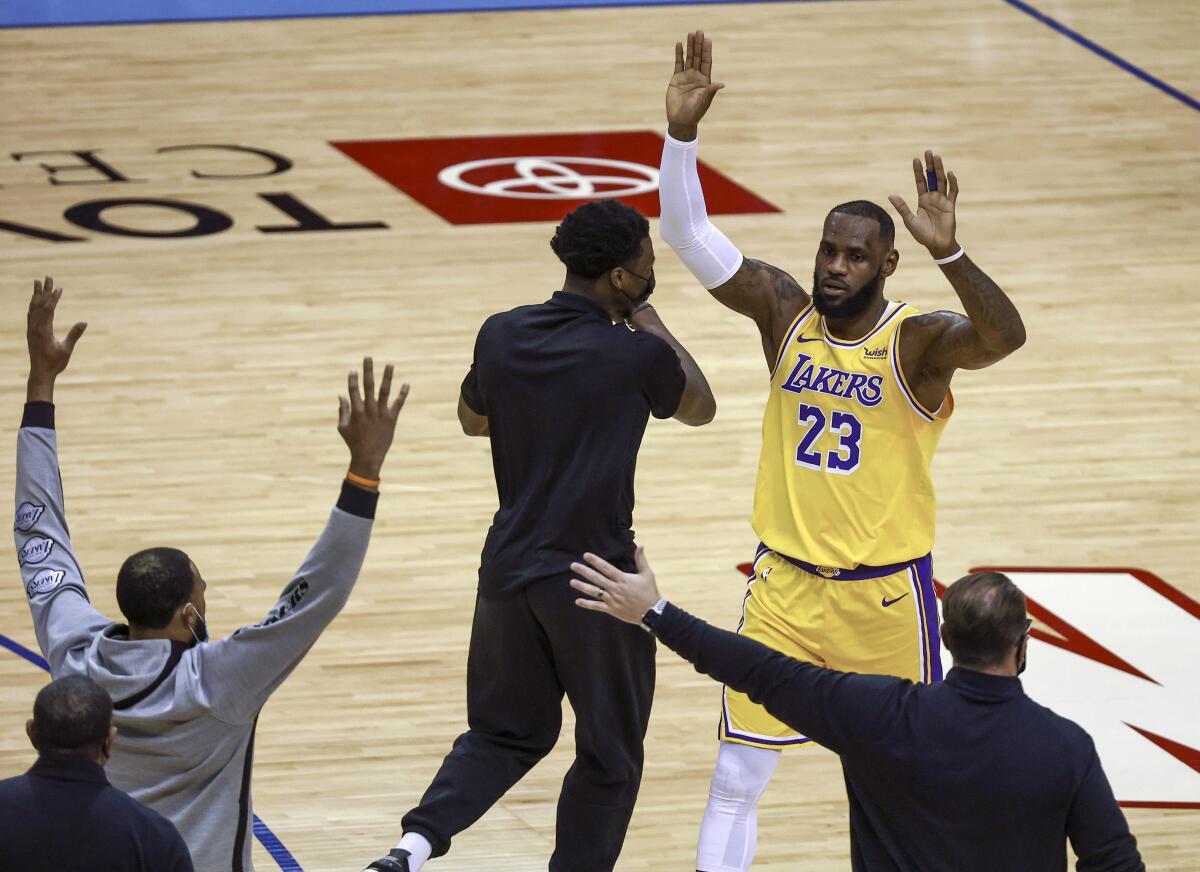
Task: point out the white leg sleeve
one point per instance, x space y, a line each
729 830
683 222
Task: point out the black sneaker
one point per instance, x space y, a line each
395 861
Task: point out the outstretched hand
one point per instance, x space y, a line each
933 224
691 90
48 355
624 595
368 423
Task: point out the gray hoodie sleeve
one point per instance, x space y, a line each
63 617
240 672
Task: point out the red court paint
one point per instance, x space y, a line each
536 177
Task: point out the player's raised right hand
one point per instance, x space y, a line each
692 89
367 424
48 355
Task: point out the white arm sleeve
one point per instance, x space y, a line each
683 221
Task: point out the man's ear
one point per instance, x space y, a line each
31 733
890 261
109 739
1022 655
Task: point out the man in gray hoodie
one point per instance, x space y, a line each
185 708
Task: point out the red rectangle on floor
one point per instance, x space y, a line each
539 177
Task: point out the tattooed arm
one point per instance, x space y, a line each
768 295
933 346
991 330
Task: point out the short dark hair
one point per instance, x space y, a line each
71 716
152 584
599 236
983 618
867 209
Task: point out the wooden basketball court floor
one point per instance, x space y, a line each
200 408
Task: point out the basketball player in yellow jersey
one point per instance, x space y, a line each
859 396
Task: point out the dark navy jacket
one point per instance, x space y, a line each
63 816
968 775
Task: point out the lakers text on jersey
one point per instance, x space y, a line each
843 479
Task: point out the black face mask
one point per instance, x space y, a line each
649 280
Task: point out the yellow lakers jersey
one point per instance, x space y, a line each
843 479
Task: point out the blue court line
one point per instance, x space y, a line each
82 13
275 847
262 832
1109 56
21 651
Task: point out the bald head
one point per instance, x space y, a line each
72 716
983 618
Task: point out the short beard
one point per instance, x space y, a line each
853 305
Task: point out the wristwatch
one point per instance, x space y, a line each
653 614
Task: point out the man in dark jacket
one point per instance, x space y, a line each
63 815
966 774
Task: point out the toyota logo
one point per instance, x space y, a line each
552 178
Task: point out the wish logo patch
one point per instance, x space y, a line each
35 550
46 580
27 516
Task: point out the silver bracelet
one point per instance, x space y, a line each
942 261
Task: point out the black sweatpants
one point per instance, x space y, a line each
526 651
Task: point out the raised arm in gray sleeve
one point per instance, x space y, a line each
63 617
241 671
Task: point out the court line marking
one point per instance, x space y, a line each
400 7
280 854
425 7
1111 57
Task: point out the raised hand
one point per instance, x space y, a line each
933 225
367 424
624 595
691 90
48 355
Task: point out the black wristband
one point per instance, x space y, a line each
653 614
356 500
38 414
